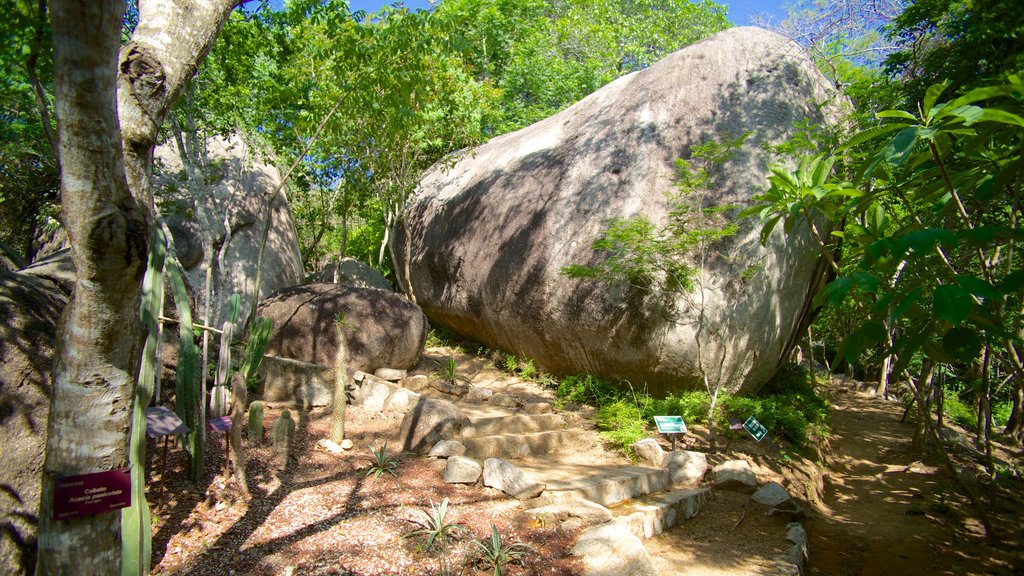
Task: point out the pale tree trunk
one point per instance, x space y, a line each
101 86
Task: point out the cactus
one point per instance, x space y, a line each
283 432
256 421
188 402
136 522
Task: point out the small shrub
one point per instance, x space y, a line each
436 525
510 364
382 463
497 554
449 372
623 422
589 389
958 411
527 369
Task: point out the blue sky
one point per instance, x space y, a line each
740 11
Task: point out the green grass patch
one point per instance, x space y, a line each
790 407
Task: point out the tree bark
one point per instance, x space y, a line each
110 103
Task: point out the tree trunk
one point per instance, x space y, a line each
110 103
922 387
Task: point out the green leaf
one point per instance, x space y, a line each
870 134
1000 116
961 343
875 331
952 303
896 114
865 281
1013 282
979 287
834 292
906 303
931 96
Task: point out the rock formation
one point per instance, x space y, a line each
235 183
382 329
492 229
30 310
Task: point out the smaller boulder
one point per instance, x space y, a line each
330 446
347 444
462 470
571 514
446 449
504 400
415 383
429 421
505 476
390 374
772 495
648 450
612 549
374 394
685 467
537 408
477 394
400 400
735 475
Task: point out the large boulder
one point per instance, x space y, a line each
492 228
352 272
30 309
382 329
232 189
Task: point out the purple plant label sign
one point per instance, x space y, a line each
91 494
222 424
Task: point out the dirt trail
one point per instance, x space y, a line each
885 510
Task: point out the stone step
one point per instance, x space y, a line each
613 485
649 516
521 445
512 424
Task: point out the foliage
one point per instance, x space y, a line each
382 463
255 344
437 526
497 554
449 372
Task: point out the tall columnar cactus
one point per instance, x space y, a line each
187 396
256 421
340 383
283 432
136 522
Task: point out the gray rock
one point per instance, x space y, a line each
415 383
400 400
493 227
30 310
373 395
477 394
57 268
428 422
538 408
462 470
772 495
570 514
686 468
505 476
503 400
352 272
384 328
735 475
296 383
390 374
611 549
446 449
233 189
648 450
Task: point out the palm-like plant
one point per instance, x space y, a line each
381 462
436 525
497 554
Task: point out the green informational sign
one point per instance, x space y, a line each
755 428
670 424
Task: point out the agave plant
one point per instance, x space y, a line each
381 462
436 526
497 554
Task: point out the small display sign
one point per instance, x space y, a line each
755 428
670 424
735 424
91 494
162 421
222 424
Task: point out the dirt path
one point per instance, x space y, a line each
885 511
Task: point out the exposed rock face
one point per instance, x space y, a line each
383 329
491 235
241 182
30 309
354 273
